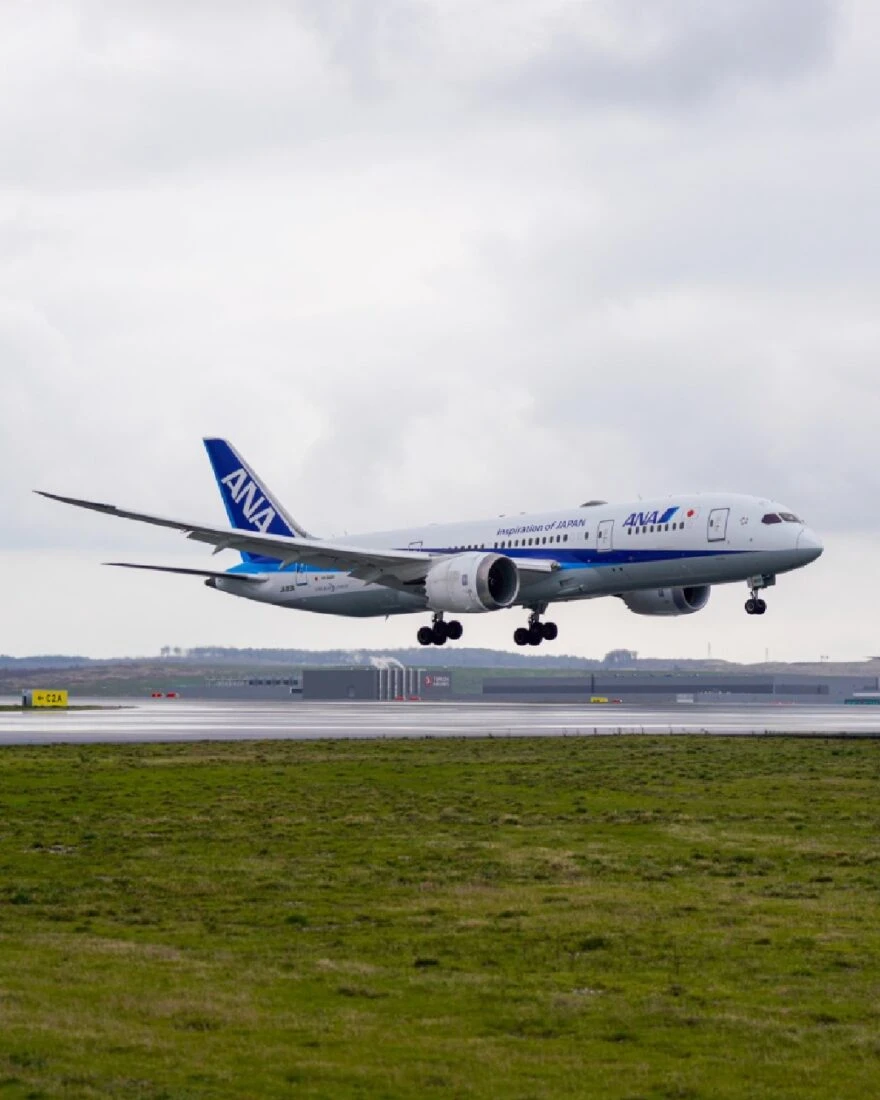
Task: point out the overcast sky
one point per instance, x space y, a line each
434 260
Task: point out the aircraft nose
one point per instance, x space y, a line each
808 544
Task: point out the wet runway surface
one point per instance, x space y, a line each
198 720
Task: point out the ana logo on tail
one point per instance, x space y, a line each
246 494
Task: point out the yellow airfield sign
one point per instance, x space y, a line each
43 697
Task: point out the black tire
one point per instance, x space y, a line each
425 635
521 636
536 635
439 633
750 607
551 631
454 630
760 607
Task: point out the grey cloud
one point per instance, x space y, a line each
675 54
704 392
365 40
97 96
93 96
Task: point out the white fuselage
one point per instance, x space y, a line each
596 550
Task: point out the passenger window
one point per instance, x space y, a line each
565 538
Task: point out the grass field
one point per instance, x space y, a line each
598 917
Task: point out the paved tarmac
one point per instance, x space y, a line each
198 720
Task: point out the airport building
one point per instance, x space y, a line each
679 687
396 682
356 683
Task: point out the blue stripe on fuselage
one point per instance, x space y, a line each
566 559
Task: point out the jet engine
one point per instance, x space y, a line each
472 582
668 601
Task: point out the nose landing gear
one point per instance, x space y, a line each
536 632
439 632
754 604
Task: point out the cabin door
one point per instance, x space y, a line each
717 529
605 536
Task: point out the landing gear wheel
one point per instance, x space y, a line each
551 630
754 604
454 630
521 636
425 635
438 633
536 634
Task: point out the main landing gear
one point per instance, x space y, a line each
754 604
440 632
536 632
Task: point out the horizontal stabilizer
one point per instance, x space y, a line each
212 573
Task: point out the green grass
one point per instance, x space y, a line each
526 919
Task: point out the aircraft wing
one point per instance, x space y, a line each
363 563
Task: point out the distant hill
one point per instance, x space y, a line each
46 660
177 670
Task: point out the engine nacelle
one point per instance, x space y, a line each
472 582
668 601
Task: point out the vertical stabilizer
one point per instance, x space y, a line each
249 504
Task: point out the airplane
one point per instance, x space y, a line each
661 557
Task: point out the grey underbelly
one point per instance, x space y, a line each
374 600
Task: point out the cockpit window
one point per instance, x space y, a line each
771 517
790 517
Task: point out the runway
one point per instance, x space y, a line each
200 720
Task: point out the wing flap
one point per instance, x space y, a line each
535 569
538 566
